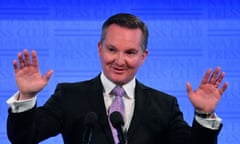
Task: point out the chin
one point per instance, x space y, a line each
118 81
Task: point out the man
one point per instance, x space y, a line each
150 116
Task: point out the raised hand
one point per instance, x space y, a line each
208 94
28 77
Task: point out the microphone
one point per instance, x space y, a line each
90 122
117 122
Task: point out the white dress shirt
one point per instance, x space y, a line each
128 100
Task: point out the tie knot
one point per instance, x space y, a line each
118 91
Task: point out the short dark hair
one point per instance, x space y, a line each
129 21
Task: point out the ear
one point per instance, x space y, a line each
99 47
144 55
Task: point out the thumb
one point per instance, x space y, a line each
48 75
189 88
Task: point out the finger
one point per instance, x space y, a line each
34 59
206 76
189 88
20 60
15 66
219 79
224 87
48 75
26 57
214 76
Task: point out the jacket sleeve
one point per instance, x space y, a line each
202 135
36 124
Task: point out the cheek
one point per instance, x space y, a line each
134 63
107 59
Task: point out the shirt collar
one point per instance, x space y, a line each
108 85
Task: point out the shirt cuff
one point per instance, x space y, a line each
211 123
18 106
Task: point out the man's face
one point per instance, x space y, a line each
121 53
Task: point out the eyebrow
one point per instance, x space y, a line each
129 49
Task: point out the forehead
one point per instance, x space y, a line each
118 33
116 28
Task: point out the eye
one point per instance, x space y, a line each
111 49
131 52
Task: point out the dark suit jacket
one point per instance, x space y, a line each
156 119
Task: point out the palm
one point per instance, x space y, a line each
28 77
29 80
207 96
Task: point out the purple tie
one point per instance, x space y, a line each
117 105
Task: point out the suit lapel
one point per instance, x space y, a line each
140 104
97 101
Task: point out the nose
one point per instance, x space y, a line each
120 59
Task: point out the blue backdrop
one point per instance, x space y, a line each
186 38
